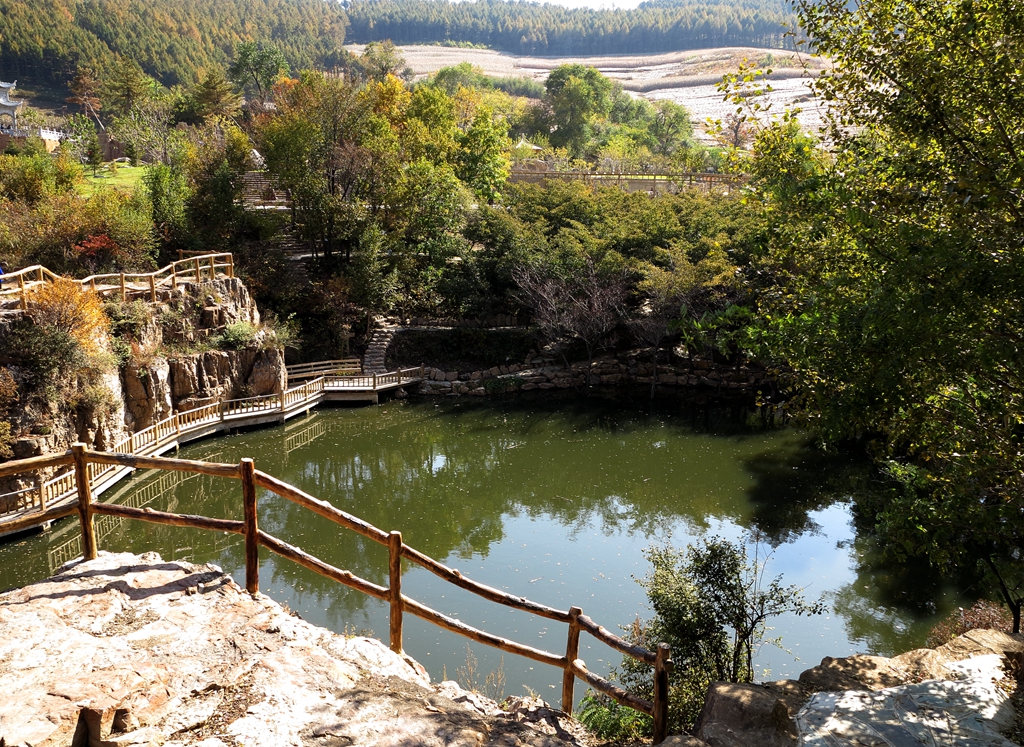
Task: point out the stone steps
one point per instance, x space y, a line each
377 350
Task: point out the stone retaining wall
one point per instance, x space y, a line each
546 373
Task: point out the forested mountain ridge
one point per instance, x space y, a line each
173 40
548 29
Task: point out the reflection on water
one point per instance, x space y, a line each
550 497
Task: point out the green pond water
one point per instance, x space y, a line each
553 498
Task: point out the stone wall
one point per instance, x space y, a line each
628 369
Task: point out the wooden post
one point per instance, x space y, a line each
572 652
41 484
252 541
195 261
152 288
84 502
395 589
231 265
213 269
124 296
662 664
174 276
181 254
374 381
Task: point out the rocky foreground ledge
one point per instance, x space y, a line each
133 650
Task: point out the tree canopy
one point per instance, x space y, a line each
899 259
174 41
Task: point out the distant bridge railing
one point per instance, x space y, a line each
634 182
87 462
20 283
340 367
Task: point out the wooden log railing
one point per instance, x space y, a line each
88 463
125 285
340 367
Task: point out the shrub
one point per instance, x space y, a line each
128 319
8 396
64 307
982 614
609 720
235 336
711 605
47 355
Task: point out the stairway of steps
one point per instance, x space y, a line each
263 192
377 350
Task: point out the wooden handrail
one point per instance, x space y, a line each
35 275
571 666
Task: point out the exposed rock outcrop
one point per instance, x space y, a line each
216 375
960 688
132 650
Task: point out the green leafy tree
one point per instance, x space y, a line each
483 161
899 263
93 150
712 604
256 67
125 86
374 284
214 96
381 59
577 96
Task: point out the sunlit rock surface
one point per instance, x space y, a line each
133 650
952 696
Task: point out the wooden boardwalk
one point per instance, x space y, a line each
201 422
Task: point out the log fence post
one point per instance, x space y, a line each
662 665
231 265
572 652
252 542
395 589
85 516
195 261
124 295
152 287
213 269
174 275
24 297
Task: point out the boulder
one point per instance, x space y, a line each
744 715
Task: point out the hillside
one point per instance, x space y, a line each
548 29
173 40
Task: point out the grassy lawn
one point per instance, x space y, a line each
126 179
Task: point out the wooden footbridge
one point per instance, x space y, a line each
331 384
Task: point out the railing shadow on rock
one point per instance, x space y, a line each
88 463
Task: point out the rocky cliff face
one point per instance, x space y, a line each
107 405
133 650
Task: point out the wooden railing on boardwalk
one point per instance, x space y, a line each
655 183
202 420
19 284
87 463
340 367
